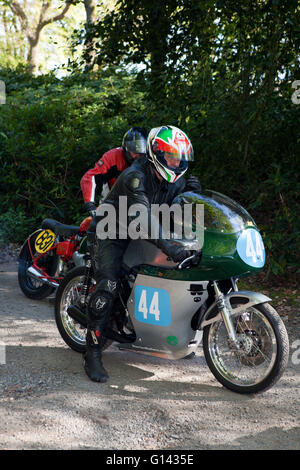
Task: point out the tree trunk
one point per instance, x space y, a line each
32 33
159 27
6 32
32 57
91 16
90 10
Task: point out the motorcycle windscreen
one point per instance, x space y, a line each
219 213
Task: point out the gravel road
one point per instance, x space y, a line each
47 401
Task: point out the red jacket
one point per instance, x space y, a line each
106 170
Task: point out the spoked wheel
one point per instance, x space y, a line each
68 293
262 356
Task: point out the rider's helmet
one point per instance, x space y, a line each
134 141
169 149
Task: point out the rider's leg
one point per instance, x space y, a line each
100 305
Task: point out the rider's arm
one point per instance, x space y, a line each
136 194
107 169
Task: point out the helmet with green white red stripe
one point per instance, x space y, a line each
169 149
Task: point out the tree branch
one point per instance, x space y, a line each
58 17
44 8
32 33
18 10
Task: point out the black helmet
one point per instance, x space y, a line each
135 141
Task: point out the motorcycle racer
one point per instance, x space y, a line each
154 179
111 165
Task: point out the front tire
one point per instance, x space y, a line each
263 356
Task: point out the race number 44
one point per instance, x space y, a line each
152 306
250 248
153 309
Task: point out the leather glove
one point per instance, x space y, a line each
196 258
176 252
91 208
193 184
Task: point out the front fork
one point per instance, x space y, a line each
225 310
86 282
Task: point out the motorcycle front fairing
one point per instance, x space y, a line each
231 243
161 312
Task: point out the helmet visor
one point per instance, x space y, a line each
137 145
173 149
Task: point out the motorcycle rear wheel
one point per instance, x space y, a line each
67 294
263 355
34 289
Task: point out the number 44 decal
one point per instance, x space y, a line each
153 310
250 248
152 306
251 251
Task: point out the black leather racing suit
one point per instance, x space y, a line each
140 185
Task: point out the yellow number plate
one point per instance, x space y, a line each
44 241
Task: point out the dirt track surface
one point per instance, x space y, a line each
47 401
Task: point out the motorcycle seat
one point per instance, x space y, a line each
60 229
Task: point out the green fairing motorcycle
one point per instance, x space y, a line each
166 310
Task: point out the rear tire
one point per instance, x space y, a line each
31 288
68 292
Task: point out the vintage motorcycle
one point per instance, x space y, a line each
48 254
166 310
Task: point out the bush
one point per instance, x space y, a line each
52 131
15 226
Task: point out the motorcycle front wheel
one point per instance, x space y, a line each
68 293
262 356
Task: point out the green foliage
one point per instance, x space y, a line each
52 131
223 71
15 225
220 70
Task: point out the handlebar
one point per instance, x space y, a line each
189 259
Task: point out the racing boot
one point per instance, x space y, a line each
93 357
99 307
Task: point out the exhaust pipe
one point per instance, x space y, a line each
38 276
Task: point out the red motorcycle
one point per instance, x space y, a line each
48 254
